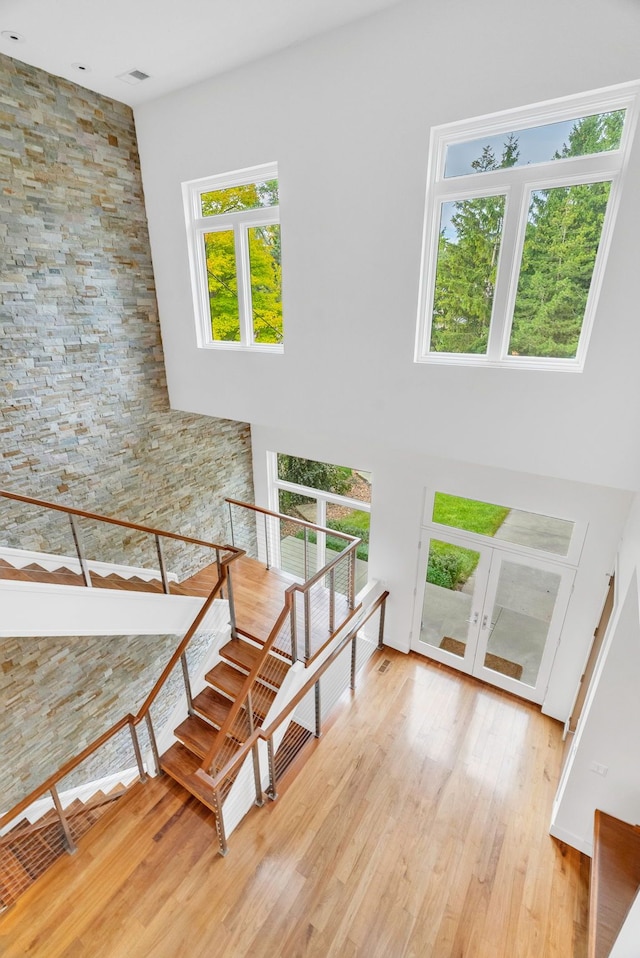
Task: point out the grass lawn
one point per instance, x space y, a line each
450 566
468 514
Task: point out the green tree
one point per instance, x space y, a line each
265 265
561 243
316 475
467 264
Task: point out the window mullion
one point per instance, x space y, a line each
513 228
243 269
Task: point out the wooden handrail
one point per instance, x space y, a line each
247 685
173 661
116 522
265 734
64 770
300 522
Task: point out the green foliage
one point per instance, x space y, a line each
355 524
450 566
469 514
265 265
316 475
561 243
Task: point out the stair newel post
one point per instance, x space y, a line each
136 748
233 538
255 754
222 838
353 661
163 568
153 743
187 682
273 792
232 611
83 562
68 838
381 625
316 688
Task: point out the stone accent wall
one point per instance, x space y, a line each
60 694
84 409
85 417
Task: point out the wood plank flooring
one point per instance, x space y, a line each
417 829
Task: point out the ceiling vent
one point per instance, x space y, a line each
133 76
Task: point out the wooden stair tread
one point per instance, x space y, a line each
246 656
212 705
615 880
196 735
226 678
181 765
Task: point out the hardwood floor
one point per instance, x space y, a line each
417 829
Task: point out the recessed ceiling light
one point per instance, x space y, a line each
82 67
12 35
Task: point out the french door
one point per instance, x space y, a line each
490 612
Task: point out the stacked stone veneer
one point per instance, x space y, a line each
84 410
60 694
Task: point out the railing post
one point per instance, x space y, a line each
256 776
381 625
153 743
306 555
68 838
163 568
353 661
307 626
222 838
294 630
232 611
352 578
83 562
272 793
187 683
233 538
136 748
266 541
318 709
332 599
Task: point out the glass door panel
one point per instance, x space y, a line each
521 620
454 584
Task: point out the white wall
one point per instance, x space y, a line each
399 481
607 732
347 117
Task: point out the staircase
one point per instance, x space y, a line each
29 849
64 576
202 731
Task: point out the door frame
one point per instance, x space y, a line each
492 556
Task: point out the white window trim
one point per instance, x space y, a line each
239 222
517 184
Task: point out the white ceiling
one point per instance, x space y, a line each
176 42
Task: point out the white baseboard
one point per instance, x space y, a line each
575 841
19 558
83 792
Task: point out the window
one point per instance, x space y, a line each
519 217
234 249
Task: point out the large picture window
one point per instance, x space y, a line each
519 217
234 247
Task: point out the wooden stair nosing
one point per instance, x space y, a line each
246 656
181 764
196 735
212 705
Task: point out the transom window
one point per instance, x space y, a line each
519 217
234 247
